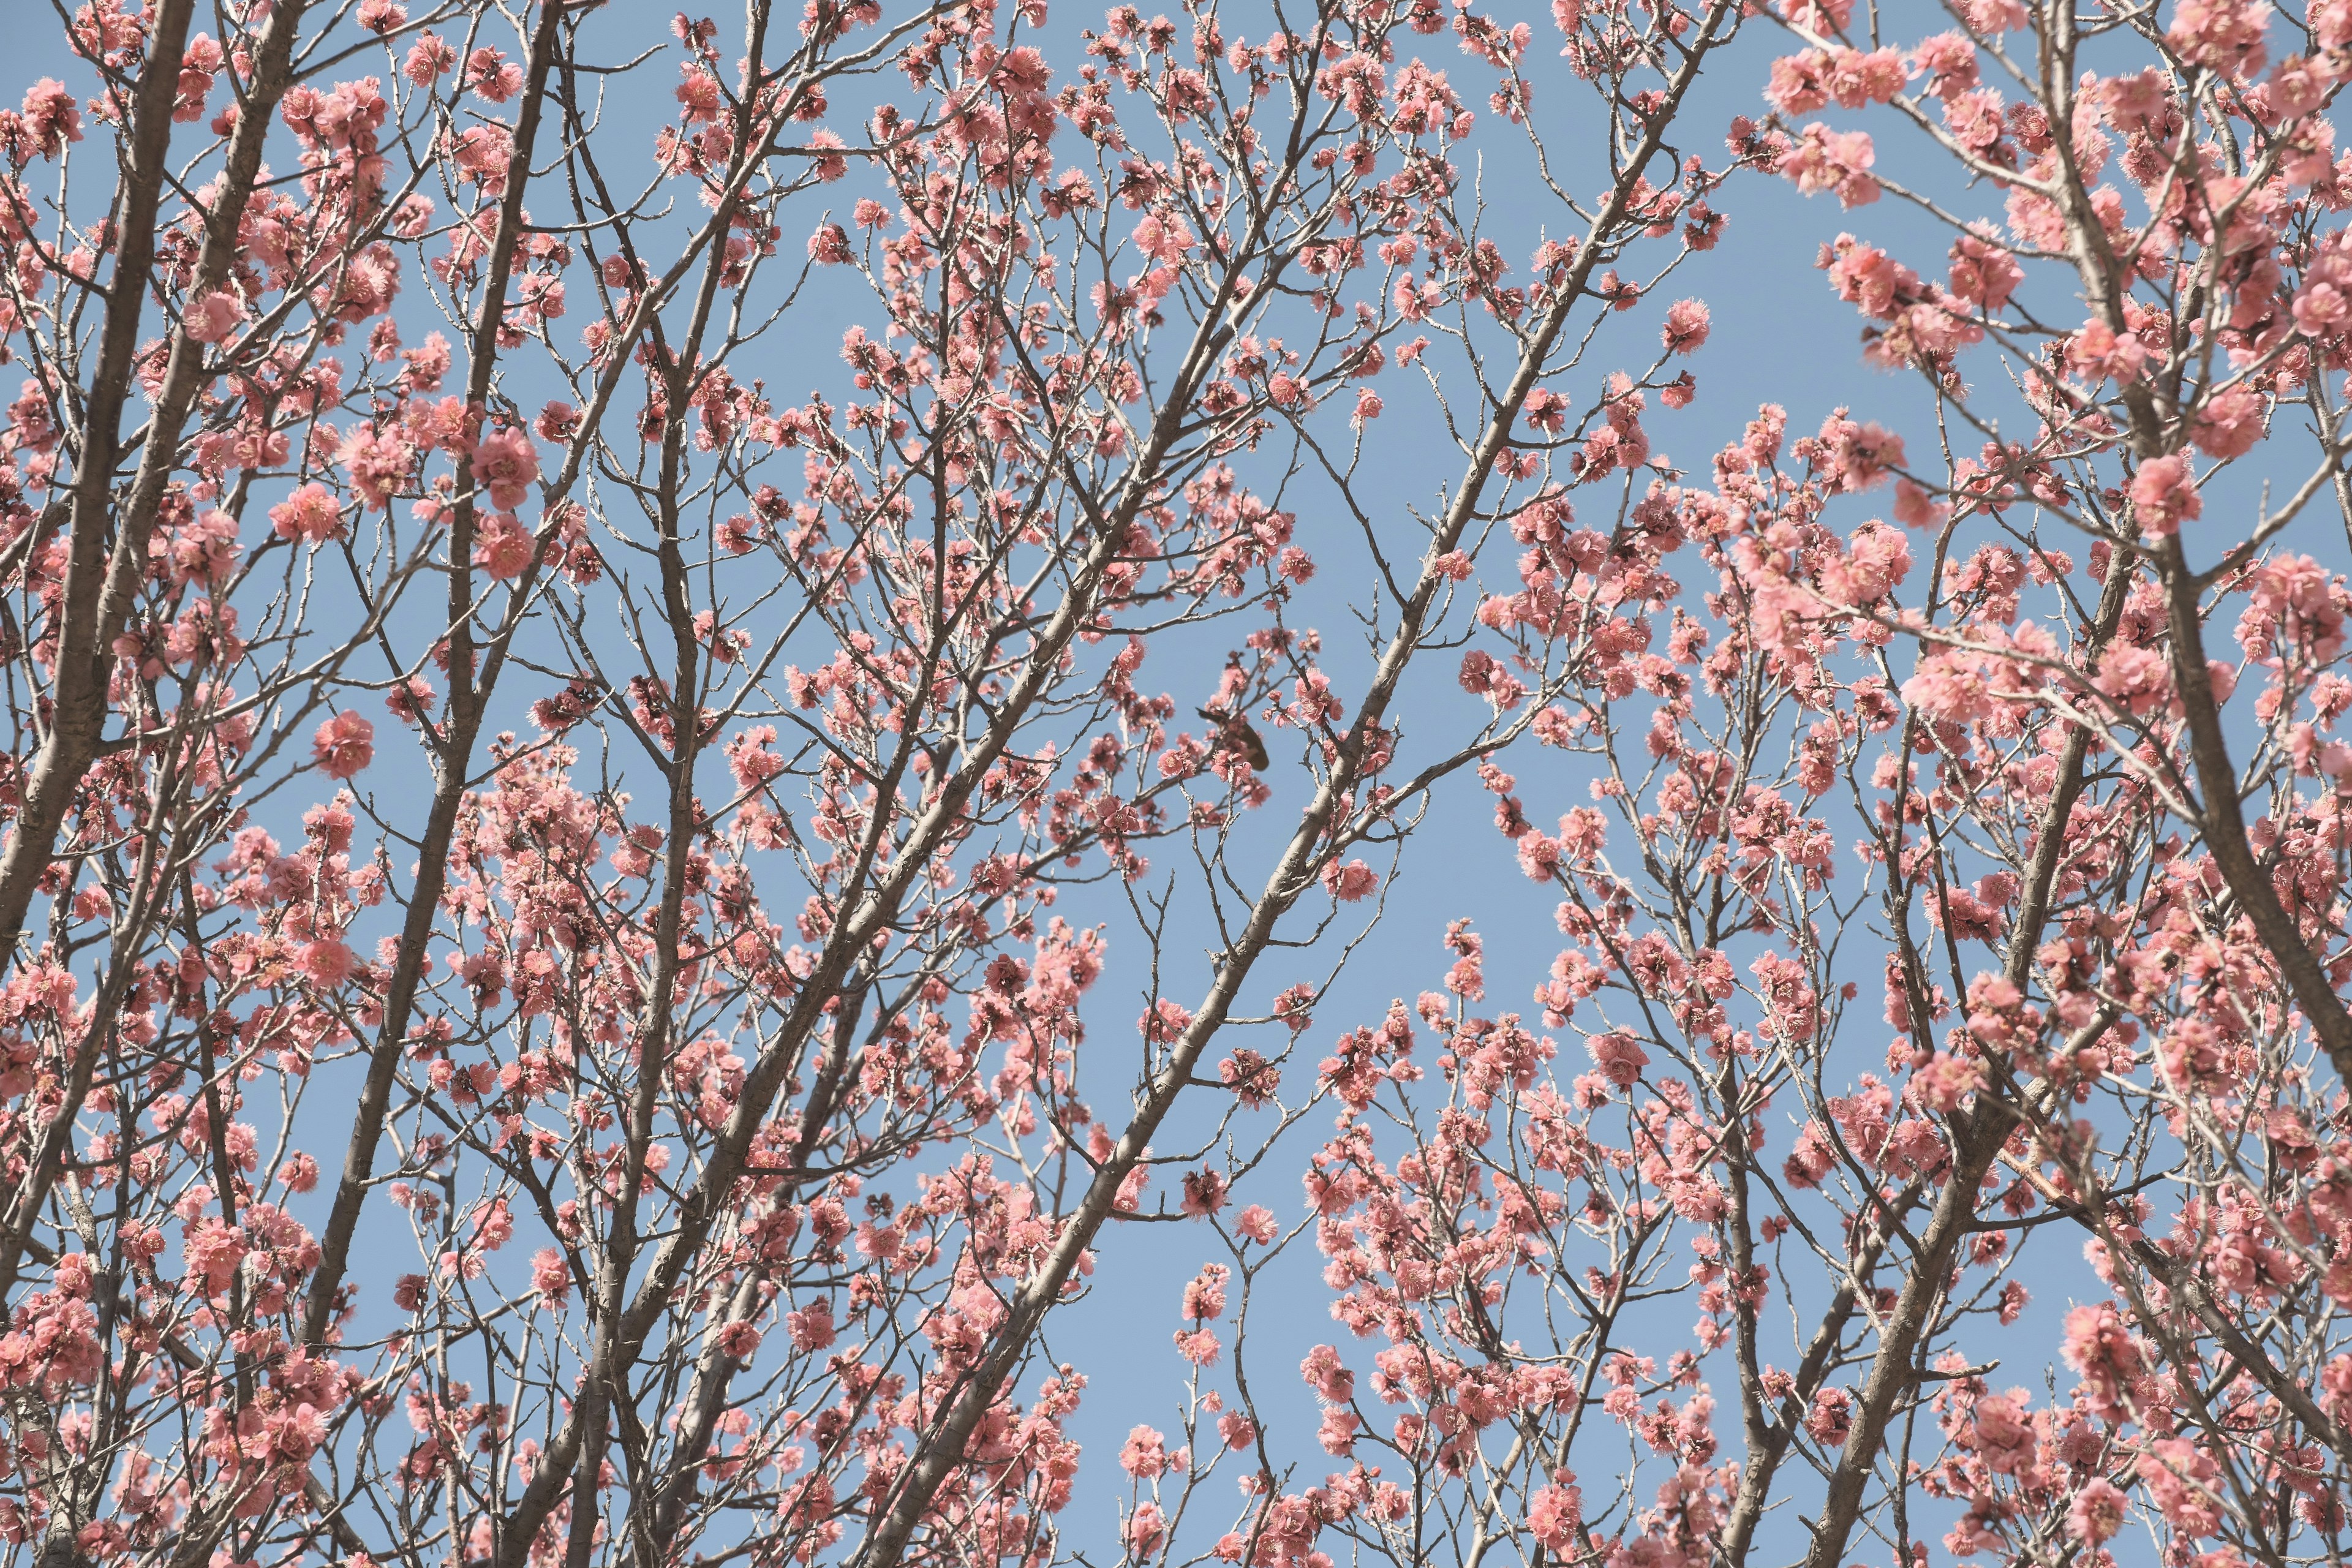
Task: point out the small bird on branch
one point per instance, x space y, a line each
1238 732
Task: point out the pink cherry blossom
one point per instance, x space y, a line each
1686 326
504 463
2164 493
311 513
214 317
344 745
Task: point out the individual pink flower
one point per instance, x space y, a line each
2135 103
1145 1455
1161 241
378 461
503 547
410 700
1555 1516
1999 1430
204 551
1583 832
557 421
2321 309
295 1435
2229 423
1145 1526
2180 1476
1949 63
1858 78
311 513
1877 560
494 1225
830 165
429 57
1325 1374
1915 507
828 245
1830 1417
2163 493
1620 1059
2226 35
1797 84
325 961
214 1251
2097 354
505 463
491 75
2102 1350
811 1327
1204 1192
1538 856
699 96
1166 1020
344 745
1946 1081
1862 455
425 365
52 117
550 1277
2137 678
1688 324
213 318
1984 273
1350 882
2097 1512
1204 1293
1837 160
1869 279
